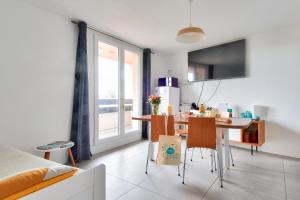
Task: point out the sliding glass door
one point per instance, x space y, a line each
117 89
108 90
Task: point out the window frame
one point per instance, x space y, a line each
122 137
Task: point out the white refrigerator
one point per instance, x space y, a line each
169 95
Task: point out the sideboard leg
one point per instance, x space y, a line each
251 150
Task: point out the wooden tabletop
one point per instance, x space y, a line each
236 123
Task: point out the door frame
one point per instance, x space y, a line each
121 138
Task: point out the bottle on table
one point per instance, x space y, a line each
229 110
202 109
169 109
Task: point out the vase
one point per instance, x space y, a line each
155 109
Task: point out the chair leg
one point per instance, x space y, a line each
192 154
184 166
212 162
231 156
146 172
220 171
215 162
201 153
178 170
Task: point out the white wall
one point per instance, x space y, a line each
273 63
37 65
159 68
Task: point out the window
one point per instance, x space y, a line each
117 89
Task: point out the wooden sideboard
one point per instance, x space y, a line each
253 139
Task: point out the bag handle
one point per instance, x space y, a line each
166 125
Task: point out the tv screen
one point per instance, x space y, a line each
218 62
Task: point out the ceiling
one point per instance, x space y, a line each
154 23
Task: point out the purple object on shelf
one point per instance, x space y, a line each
168 81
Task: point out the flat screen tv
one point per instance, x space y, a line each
218 62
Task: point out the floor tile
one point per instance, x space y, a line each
141 194
240 192
115 157
133 170
259 161
261 176
292 167
292 178
246 183
292 187
116 187
168 184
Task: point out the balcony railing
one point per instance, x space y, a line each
111 105
108 116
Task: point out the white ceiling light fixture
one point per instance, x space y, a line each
190 34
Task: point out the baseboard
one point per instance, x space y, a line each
264 152
115 143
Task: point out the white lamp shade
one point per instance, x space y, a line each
190 35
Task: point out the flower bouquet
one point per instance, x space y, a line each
154 101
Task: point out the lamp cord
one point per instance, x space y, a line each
200 95
213 94
190 13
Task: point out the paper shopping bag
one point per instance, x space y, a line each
169 150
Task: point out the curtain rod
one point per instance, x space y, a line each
107 34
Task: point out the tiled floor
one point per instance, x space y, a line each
261 176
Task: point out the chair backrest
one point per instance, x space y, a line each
201 132
158 126
171 125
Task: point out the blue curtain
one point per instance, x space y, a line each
146 89
80 134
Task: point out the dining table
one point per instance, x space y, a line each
222 130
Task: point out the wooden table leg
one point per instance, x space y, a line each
71 157
47 155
